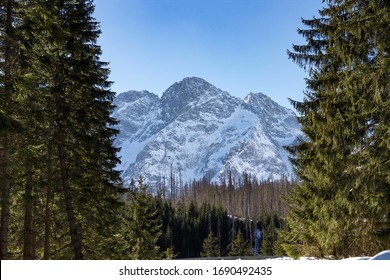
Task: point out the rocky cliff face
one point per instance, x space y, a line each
196 130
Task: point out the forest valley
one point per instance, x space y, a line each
201 219
62 197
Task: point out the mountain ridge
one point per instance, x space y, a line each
197 130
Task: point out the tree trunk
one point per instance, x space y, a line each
73 228
5 202
46 254
28 253
74 235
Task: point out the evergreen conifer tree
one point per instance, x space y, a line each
143 225
54 89
240 247
269 234
9 74
211 247
341 207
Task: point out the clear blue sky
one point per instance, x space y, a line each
237 45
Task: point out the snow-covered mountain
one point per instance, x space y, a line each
196 130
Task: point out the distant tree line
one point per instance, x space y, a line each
202 221
246 196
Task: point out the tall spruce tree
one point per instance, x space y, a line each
83 132
341 206
100 186
65 158
9 73
143 225
31 99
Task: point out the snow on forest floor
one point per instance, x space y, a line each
384 255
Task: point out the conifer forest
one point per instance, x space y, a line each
62 197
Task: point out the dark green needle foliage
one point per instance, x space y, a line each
143 225
342 204
60 191
240 246
211 247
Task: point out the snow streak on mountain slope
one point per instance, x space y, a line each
196 130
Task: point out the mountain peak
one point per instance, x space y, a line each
178 97
189 87
194 80
261 104
133 95
257 96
